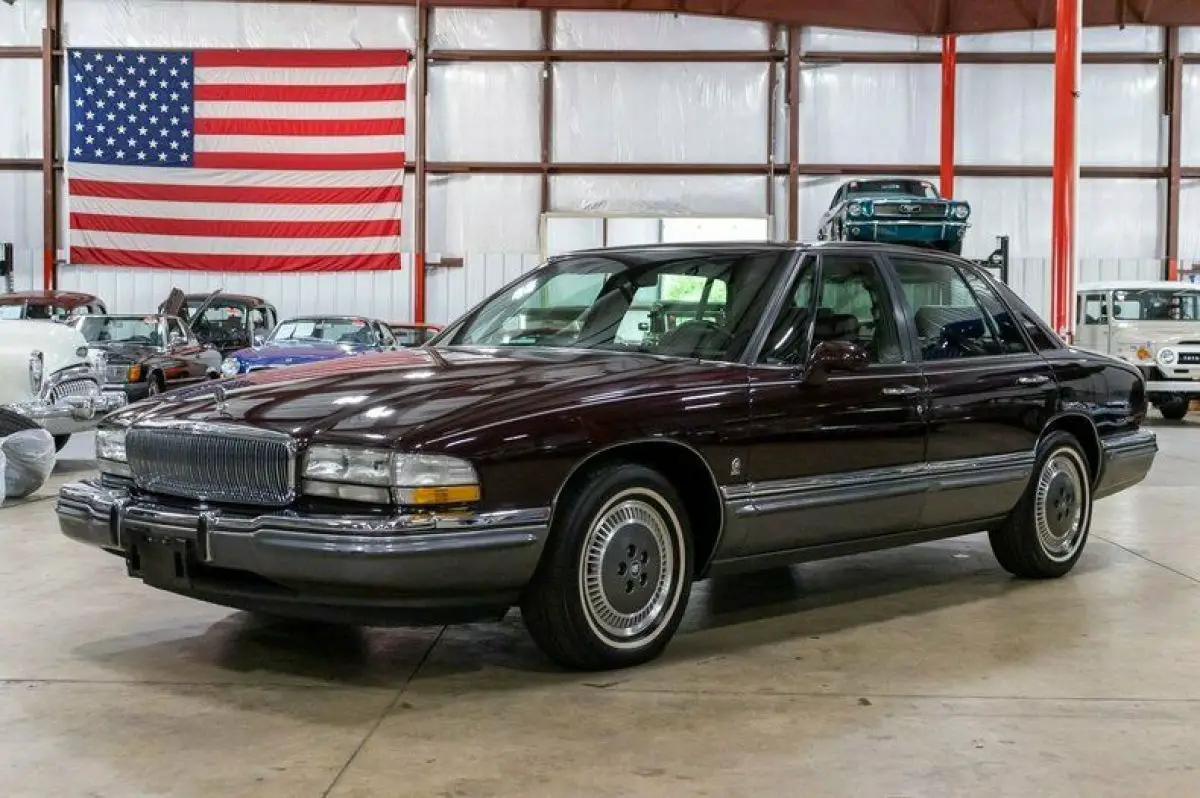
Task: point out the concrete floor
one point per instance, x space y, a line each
918 672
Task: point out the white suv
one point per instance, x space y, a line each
1153 325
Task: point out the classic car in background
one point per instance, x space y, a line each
146 355
47 376
310 339
1153 325
48 305
821 401
900 211
226 321
412 334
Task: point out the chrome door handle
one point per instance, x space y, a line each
900 390
1035 380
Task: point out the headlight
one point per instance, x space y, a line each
110 451
229 367
379 476
856 209
961 212
1167 357
37 371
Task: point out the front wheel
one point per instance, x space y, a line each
1044 535
614 581
1175 408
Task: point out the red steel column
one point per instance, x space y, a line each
1066 165
949 81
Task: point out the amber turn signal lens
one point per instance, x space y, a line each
135 372
449 494
1143 353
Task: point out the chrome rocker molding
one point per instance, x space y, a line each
753 499
415 553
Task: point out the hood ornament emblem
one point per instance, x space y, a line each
221 397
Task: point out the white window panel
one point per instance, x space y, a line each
630 30
484 112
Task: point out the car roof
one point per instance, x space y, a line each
49 297
315 316
1135 285
759 246
244 299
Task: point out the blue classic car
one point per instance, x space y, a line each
308 339
899 211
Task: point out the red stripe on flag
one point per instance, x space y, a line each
301 58
222 228
298 162
260 195
299 127
235 92
86 256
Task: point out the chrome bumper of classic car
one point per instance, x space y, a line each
1127 460
299 562
938 229
70 401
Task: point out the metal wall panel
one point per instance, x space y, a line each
484 29
453 291
21 223
484 112
20 109
660 195
21 25
1030 277
606 30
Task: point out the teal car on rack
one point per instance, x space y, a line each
898 211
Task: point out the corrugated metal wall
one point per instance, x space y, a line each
629 113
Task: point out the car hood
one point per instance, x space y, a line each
295 353
1155 333
416 396
59 344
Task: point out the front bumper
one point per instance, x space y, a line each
1173 386
364 569
1128 458
127 392
904 230
71 414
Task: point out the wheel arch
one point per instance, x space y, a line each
684 467
1084 430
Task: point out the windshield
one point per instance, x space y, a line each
339 330
675 303
12 312
912 188
1156 305
220 319
120 330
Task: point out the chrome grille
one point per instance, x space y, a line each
72 388
213 462
910 210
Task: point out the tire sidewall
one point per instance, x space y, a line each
611 487
1051 445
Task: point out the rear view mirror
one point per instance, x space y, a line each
832 356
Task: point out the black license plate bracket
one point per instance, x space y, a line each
157 559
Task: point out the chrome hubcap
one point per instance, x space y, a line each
1061 506
629 564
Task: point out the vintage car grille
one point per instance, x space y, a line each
910 210
1189 358
213 462
71 388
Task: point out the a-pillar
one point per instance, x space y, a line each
1063 261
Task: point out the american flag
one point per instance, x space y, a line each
236 160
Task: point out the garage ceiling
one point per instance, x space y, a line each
922 17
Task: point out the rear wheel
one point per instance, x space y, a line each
614 581
1045 534
1175 408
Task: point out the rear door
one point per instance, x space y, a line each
990 392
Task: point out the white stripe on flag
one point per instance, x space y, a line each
235 246
212 109
315 145
235 211
236 177
300 76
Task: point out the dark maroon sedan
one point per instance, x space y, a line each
615 425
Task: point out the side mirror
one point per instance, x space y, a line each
832 356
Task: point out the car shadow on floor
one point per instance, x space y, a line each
725 617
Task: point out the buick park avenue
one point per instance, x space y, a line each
609 428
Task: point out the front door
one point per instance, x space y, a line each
990 393
1092 322
833 461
